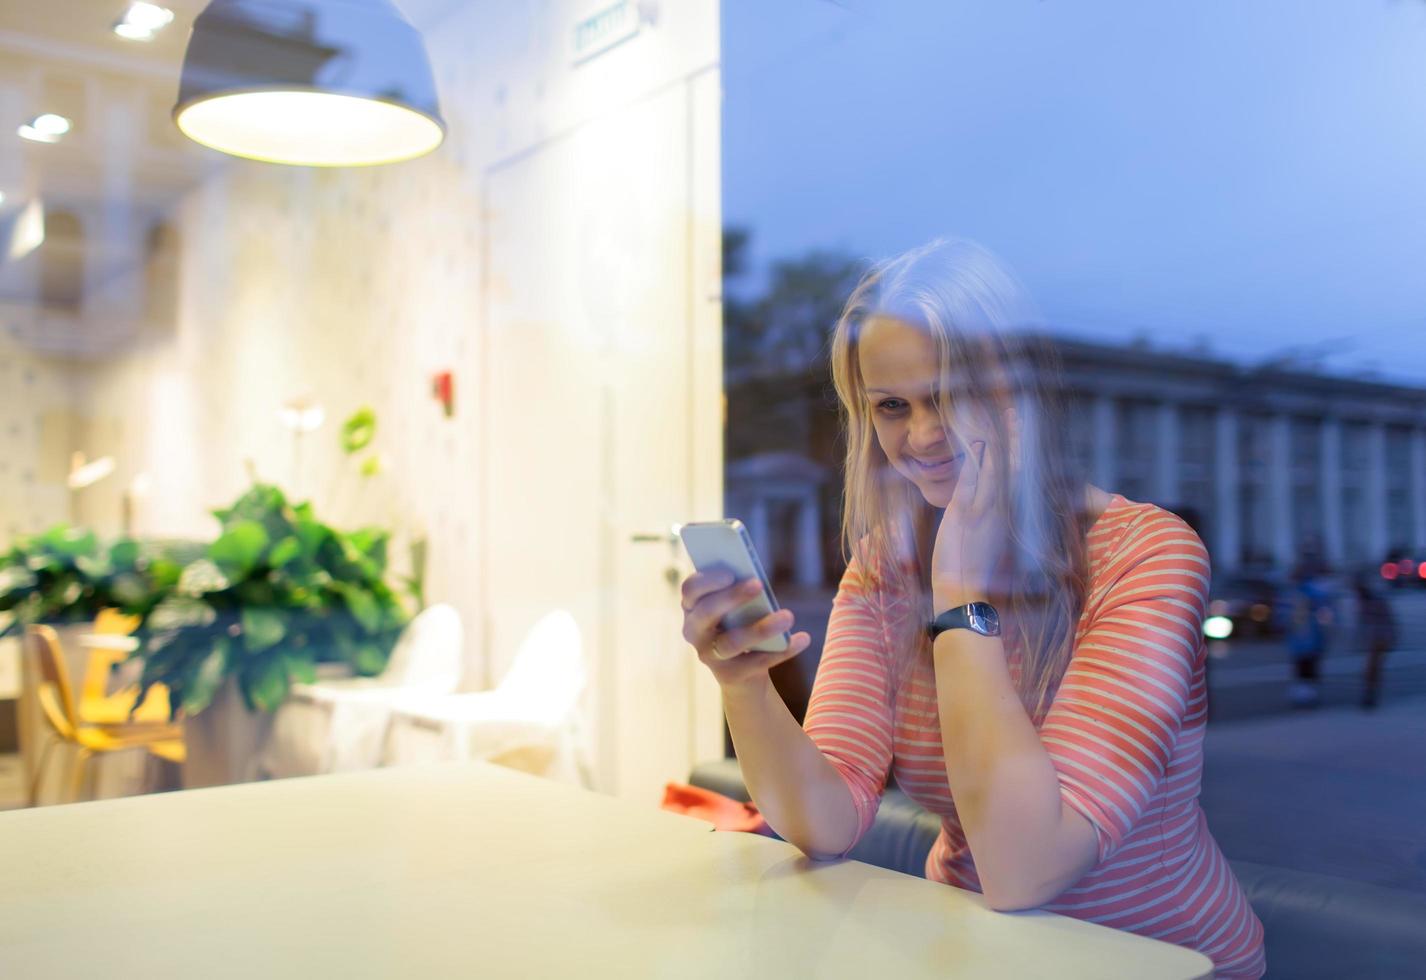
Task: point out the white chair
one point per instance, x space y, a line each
340 725
531 721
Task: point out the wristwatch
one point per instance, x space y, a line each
978 617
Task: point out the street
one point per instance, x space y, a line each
1249 679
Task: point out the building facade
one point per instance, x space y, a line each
1271 464
1274 463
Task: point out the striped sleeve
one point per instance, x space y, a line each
849 715
1114 722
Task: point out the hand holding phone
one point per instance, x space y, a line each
729 607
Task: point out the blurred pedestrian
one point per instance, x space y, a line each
1377 624
1308 631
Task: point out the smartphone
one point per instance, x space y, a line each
727 546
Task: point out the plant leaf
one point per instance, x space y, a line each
181 612
358 430
43 562
208 678
263 628
239 548
124 554
267 684
369 659
311 534
72 542
284 551
200 577
94 568
301 668
165 572
362 605
129 590
14 578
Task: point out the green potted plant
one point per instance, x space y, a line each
277 593
61 577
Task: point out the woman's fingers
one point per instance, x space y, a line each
749 661
963 497
701 621
737 641
982 490
766 660
700 584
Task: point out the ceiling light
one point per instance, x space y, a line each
45 128
142 21
2 197
329 83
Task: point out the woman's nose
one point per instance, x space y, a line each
927 432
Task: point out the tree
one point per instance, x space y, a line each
787 329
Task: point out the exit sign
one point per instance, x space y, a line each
605 28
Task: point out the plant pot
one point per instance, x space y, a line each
224 741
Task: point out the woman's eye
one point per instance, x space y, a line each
890 406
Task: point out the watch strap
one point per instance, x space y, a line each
978 617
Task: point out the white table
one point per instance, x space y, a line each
471 870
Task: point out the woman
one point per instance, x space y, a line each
1063 751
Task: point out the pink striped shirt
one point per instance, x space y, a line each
1125 734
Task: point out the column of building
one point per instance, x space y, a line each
809 539
1105 439
1378 539
1332 490
1284 547
759 528
1166 457
1225 544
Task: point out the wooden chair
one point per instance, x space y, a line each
96 705
58 709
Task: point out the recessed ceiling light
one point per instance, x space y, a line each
45 128
142 21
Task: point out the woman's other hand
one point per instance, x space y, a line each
970 541
707 598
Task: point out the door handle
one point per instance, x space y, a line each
672 575
669 537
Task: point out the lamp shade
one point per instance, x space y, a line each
327 83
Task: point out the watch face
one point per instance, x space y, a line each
984 619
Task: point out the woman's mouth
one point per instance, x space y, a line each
937 469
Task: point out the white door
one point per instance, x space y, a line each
602 417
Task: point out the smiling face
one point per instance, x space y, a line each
899 372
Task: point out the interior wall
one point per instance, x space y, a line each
37 427
353 287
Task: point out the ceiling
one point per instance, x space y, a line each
122 167
63 57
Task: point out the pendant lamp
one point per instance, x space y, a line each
319 83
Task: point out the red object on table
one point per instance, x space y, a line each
724 812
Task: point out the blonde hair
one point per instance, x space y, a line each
977 315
